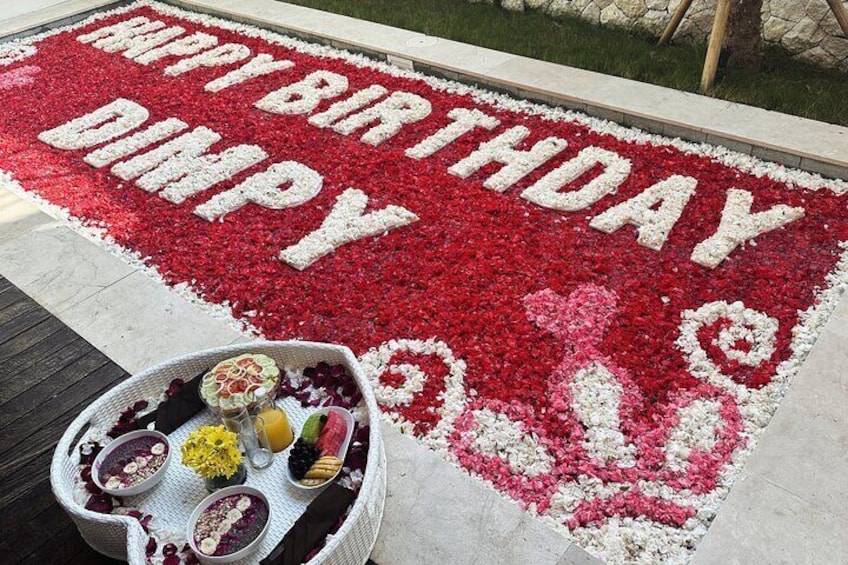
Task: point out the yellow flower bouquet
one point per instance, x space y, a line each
212 451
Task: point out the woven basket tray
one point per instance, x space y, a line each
121 537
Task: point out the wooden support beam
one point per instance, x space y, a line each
841 15
676 18
715 45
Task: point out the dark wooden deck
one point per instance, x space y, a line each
48 374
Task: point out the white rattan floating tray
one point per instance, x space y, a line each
172 501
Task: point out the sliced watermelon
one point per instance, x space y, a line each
332 434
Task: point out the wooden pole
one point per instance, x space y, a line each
715 44
676 18
841 16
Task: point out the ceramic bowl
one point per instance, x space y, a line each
209 501
114 445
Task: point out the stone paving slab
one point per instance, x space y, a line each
55 279
19 216
789 504
436 515
139 322
10 10
25 17
763 524
806 428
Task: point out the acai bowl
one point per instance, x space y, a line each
229 524
132 464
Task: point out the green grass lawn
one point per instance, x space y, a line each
784 84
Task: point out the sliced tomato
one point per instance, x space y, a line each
238 385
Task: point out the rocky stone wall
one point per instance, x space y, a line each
805 27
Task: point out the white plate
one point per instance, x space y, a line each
146 484
206 503
349 422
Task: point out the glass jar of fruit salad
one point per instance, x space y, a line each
272 420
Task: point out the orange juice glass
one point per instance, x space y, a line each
277 428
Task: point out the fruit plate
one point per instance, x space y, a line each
209 501
117 445
347 418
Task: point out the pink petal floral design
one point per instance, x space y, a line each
20 76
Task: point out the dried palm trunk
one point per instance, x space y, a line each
744 34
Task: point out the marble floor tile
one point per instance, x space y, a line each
18 16
838 320
789 134
805 448
576 555
14 8
435 515
17 216
764 524
138 322
58 267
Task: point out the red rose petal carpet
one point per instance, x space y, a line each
596 321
